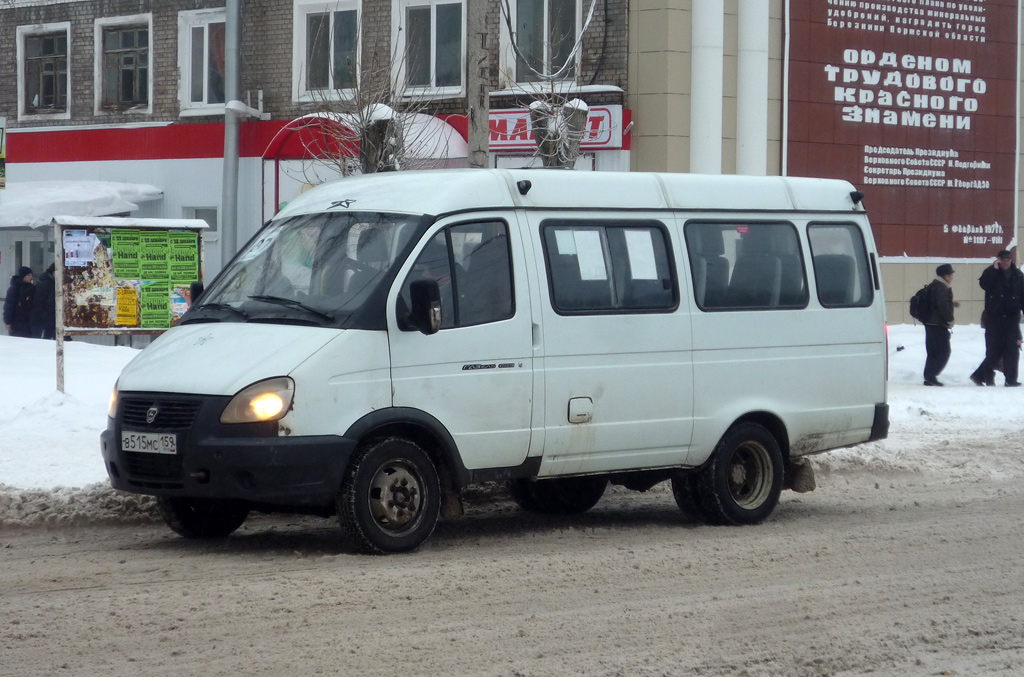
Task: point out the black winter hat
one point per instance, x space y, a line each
23 271
944 269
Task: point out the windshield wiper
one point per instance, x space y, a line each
222 306
282 301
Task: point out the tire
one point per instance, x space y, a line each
684 490
390 497
742 481
202 517
559 496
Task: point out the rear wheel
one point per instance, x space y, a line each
558 496
202 517
390 498
742 480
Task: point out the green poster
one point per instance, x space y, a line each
154 299
153 255
183 256
124 244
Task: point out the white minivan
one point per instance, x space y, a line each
387 340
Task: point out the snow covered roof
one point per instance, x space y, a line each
32 204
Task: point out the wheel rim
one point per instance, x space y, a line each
750 475
396 496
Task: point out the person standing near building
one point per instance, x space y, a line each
1003 283
18 304
939 327
44 306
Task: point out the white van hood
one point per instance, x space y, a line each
221 358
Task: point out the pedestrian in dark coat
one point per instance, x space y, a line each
18 303
939 327
44 306
1003 283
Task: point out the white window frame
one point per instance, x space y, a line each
303 8
187 20
399 10
111 22
28 31
507 61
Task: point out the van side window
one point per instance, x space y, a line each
597 267
746 266
472 265
840 261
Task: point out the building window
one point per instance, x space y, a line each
201 60
546 32
42 53
430 46
326 49
123 64
617 267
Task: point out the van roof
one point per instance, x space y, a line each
452 190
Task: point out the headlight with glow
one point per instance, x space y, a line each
112 405
263 401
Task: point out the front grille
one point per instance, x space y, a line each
171 414
153 466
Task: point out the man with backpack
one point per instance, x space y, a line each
938 327
1003 283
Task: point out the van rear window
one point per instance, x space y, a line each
840 260
746 266
598 267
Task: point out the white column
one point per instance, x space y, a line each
752 88
706 86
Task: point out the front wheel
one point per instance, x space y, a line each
202 517
390 498
742 480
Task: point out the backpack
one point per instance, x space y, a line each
921 305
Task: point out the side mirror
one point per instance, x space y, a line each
425 298
195 290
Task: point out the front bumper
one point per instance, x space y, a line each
248 462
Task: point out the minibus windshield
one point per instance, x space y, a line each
311 269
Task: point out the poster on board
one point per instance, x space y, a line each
914 102
123 276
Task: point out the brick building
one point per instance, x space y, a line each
132 91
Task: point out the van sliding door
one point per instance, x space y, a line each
616 346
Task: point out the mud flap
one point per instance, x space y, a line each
799 475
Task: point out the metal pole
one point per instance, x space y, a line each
58 282
232 123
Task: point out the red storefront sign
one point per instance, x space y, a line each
915 103
511 129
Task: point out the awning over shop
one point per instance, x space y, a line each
427 137
33 204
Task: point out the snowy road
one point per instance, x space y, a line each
905 562
893 574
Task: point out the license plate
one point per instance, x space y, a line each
149 443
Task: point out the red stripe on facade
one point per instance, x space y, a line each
173 142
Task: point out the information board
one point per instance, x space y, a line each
125 276
915 103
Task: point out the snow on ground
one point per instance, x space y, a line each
51 471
